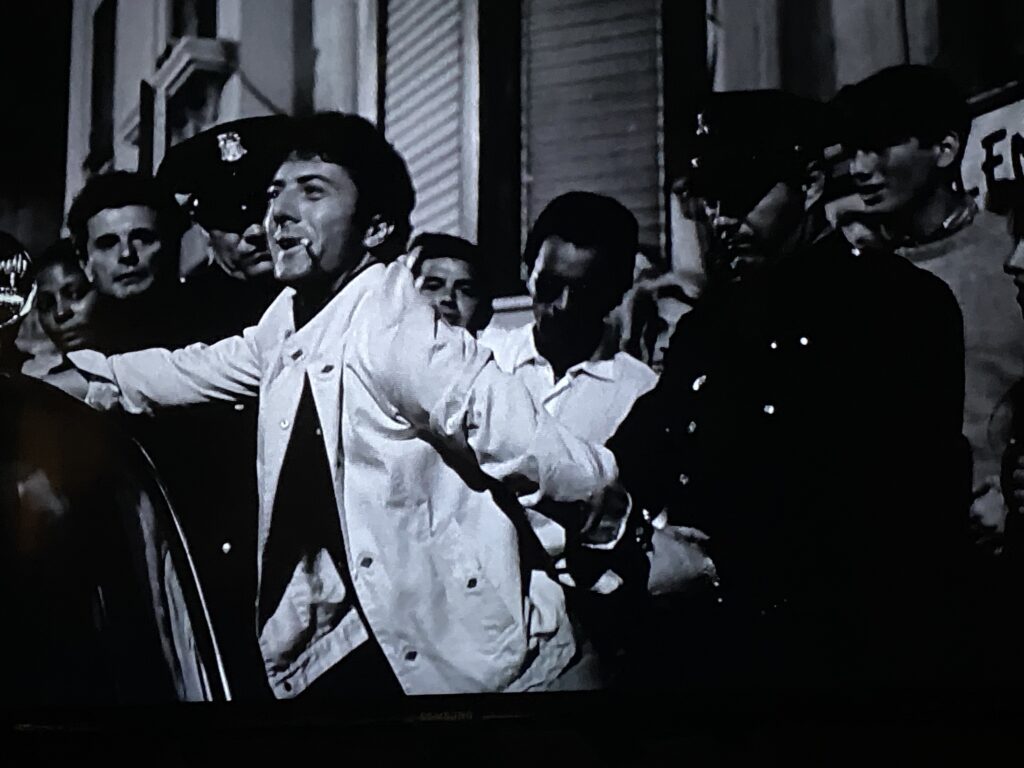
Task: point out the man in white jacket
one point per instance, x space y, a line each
382 568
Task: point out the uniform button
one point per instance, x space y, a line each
855 251
684 479
296 354
471 584
691 427
769 409
284 423
239 406
225 547
411 655
287 686
699 382
366 562
804 341
319 431
327 369
774 345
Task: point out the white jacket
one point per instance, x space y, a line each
435 564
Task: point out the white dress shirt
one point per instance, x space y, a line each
591 400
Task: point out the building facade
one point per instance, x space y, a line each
500 105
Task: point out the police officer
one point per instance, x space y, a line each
224 172
808 421
205 453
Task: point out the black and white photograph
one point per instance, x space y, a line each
605 365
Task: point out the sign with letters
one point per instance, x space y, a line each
995 149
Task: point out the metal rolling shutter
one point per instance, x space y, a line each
592 110
423 105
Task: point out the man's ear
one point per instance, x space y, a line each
948 150
377 232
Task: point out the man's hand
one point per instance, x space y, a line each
678 561
103 396
595 524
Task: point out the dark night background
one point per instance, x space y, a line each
35 40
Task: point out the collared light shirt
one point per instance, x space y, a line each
591 399
403 400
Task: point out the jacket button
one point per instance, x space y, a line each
774 345
769 409
327 369
804 341
699 382
366 562
471 584
225 547
684 479
239 406
296 354
284 423
691 427
411 655
286 685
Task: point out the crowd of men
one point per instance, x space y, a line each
806 469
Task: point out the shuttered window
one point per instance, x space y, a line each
591 98
423 106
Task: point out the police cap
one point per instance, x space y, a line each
226 170
748 141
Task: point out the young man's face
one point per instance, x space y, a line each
891 179
567 297
453 291
245 256
66 302
310 222
124 255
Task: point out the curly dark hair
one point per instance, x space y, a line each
119 189
376 168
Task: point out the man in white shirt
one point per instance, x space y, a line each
382 570
579 257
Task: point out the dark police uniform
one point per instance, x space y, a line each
808 420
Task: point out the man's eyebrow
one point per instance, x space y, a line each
305 179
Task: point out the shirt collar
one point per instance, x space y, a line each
601 366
